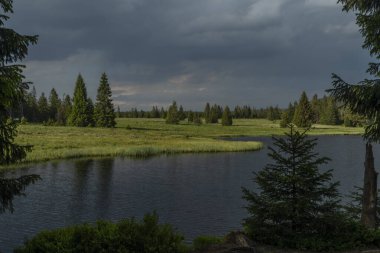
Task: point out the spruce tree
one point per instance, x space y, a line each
206 113
303 115
104 109
78 116
181 113
287 115
90 113
214 114
65 110
315 107
285 119
190 117
197 119
295 201
238 112
270 113
31 108
172 114
14 47
162 113
43 108
330 114
54 104
227 117
362 98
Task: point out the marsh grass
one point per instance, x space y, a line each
141 138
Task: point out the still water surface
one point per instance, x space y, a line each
197 193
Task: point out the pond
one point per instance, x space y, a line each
199 194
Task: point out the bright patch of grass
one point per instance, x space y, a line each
147 137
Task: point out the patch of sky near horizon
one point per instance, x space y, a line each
254 52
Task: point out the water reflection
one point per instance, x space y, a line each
104 171
197 193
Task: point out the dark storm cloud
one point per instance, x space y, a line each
258 52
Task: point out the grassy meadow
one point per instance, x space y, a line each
147 137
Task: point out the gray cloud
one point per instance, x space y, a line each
256 52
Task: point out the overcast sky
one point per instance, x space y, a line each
255 52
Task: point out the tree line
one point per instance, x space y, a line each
239 112
302 113
78 111
81 111
325 110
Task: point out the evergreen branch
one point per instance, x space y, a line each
9 188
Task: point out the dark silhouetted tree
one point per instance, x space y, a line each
54 104
43 108
104 108
197 119
181 113
190 117
295 201
30 109
363 98
13 48
214 114
206 113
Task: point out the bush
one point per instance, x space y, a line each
204 242
128 236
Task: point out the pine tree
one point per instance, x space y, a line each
90 113
14 47
285 119
162 113
238 112
206 113
303 115
214 114
287 115
104 109
78 116
172 114
155 113
315 107
330 113
181 113
31 108
43 108
291 110
227 117
197 119
64 111
295 201
54 104
190 117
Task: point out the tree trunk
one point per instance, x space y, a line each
369 204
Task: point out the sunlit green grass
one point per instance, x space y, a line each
147 137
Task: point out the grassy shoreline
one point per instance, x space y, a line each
148 137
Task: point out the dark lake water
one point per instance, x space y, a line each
197 193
